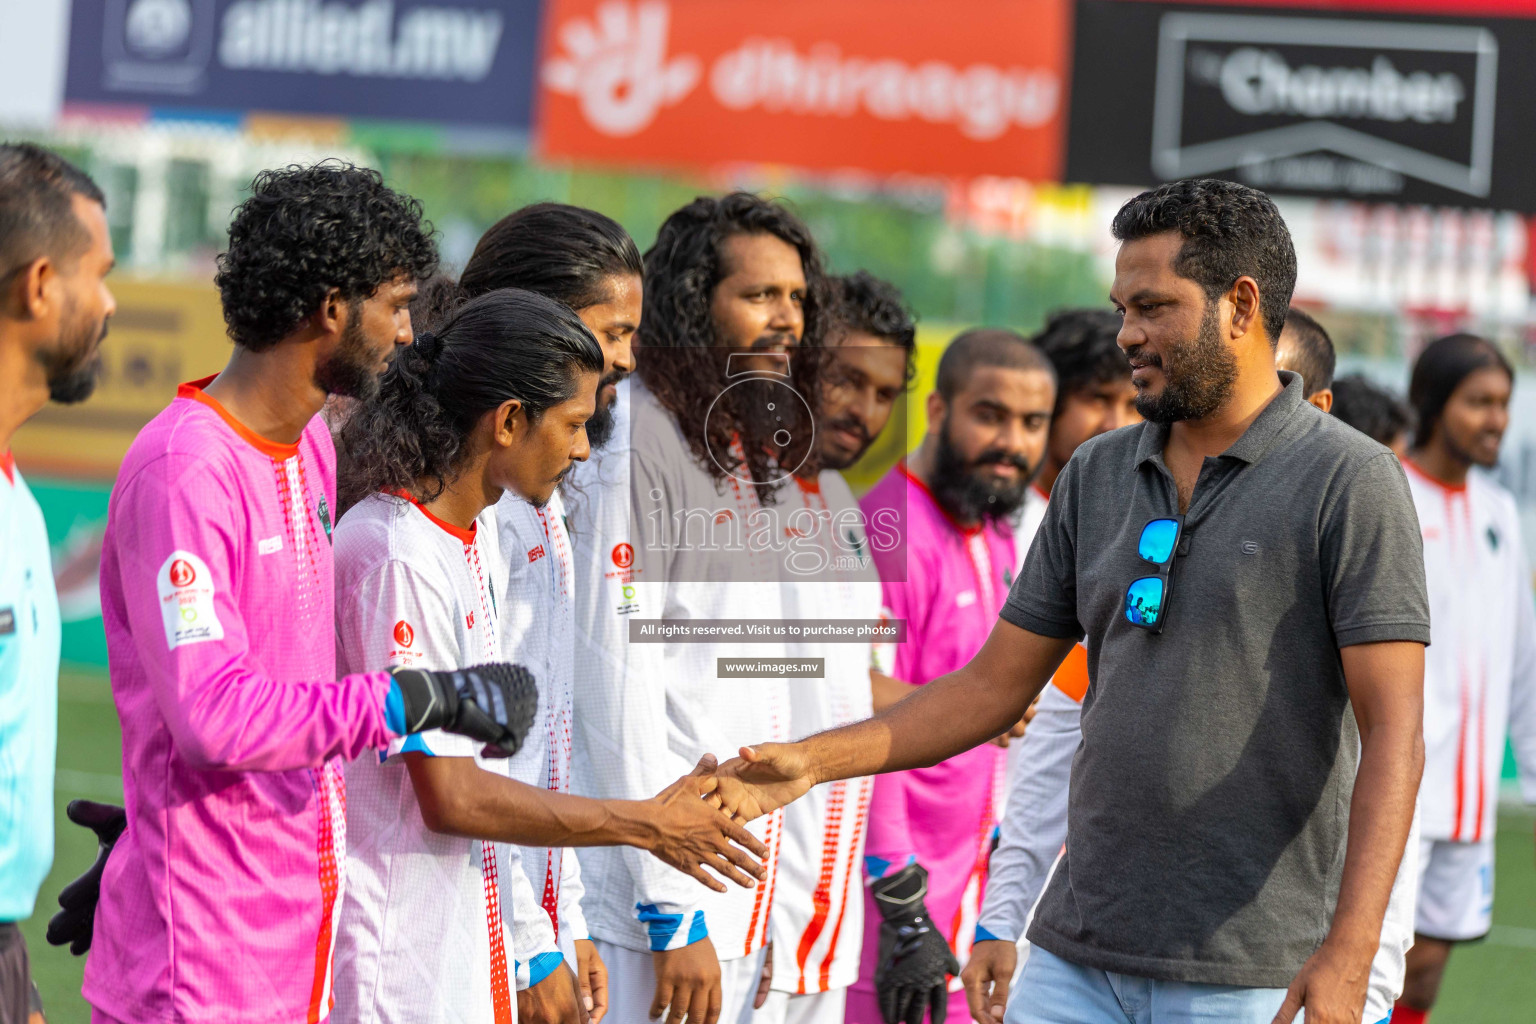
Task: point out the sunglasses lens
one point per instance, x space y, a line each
1157 540
1144 601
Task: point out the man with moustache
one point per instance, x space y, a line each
734 295
817 923
930 828
1275 556
1480 675
1039 768
221 898
55 254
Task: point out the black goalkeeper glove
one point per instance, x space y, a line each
494 703
75 922
914 959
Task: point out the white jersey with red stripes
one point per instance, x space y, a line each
427 925
1480 669
536 632
818 914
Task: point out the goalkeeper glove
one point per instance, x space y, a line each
913 956
75 922
493 703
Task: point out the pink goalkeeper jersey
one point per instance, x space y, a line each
949 585
220 901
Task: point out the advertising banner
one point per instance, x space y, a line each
903 86
461 62
1414 107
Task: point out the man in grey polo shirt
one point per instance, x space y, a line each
1247 572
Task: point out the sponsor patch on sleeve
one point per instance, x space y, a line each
186 600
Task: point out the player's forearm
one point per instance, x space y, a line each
459 798
1380 817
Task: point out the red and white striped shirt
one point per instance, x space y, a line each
1480 668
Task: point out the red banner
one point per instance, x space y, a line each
894 86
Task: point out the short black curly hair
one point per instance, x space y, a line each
1229 230
307 229
863 302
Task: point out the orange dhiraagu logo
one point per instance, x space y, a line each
623 556
182 574
404 634
913 89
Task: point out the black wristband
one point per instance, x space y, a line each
427 703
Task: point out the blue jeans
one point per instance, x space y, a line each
1056 991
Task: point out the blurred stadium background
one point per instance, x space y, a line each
972 151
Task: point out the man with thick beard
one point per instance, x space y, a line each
931 828
1250 579
221 899
733 298
55 254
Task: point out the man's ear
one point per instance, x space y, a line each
511 423
33 289
1244 296
331 318
1323 399
936 408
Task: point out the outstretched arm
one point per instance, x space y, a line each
458 797
952 714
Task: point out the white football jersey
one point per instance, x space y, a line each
646 712
426 928
818 912
1480 668
536 632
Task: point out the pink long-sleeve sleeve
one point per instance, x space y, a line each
189 588
222 898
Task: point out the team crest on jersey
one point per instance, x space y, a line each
1493 538
324 512
187 600
630 604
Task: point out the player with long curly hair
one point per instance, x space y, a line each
733 284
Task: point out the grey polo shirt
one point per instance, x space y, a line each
1210 795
